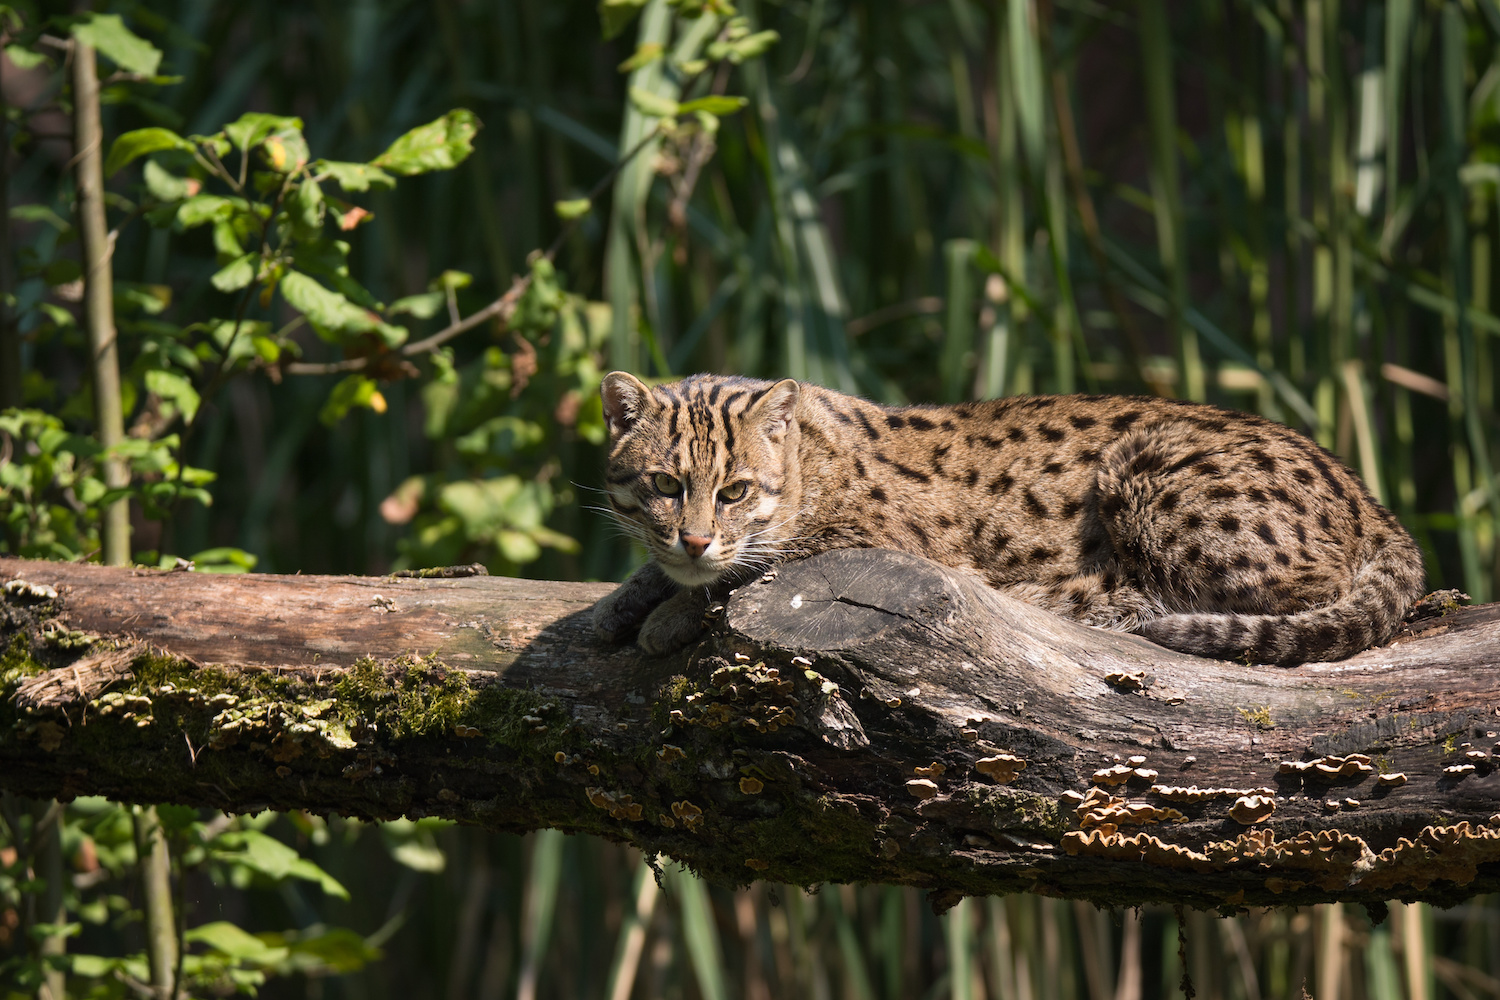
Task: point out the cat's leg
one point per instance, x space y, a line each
677 621
624 610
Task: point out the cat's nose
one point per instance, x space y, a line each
695 545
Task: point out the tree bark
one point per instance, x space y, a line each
858 716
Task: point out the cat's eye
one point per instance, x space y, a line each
732 492
667 486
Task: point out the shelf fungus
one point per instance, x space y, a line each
751 786
1248 809
1103 810
619 806
922 788
1330 768
1459 770
1192 793
690 815
1001 768
934 770
1121 773
1392 779
1122 681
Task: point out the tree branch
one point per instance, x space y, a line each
858 716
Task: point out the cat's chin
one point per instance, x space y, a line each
695 574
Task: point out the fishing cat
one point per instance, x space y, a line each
1207 531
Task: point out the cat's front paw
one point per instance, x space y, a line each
616 616
674 624
619 613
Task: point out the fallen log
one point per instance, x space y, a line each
858 716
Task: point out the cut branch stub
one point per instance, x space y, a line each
861 715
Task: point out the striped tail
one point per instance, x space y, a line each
1382 591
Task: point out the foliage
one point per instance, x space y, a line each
99 840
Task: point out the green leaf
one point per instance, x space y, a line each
39 213
714 105
237 274
337 949
615 15
438 145
331 312
285 150
166 186
175 389
451 279
352 391
652 105
24 58
517 547
646 54
225 560
107 33
133 145
149 299
423 306
231 940
355 176
418 856
227 241
307 209
306 870
574 208
261 853
202 208
251 128
738 50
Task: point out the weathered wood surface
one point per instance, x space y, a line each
828 729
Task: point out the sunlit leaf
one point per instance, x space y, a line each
133 145
175 389
645 55
251 128
333 312
237 274
203 208
351 391
355 176
438 145
423 306
109 36
231 940
653 105
714 104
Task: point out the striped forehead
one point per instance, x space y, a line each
702 423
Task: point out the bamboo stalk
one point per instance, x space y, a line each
10 334
155 865
98 286
630 189
47 836
1166 190
540 906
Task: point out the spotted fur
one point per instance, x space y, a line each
1208 531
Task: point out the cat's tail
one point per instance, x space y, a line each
1369 613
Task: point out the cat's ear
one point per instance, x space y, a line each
625 399
777 408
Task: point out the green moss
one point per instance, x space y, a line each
1013 809
1259 717
16 662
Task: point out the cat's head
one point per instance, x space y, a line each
702 471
